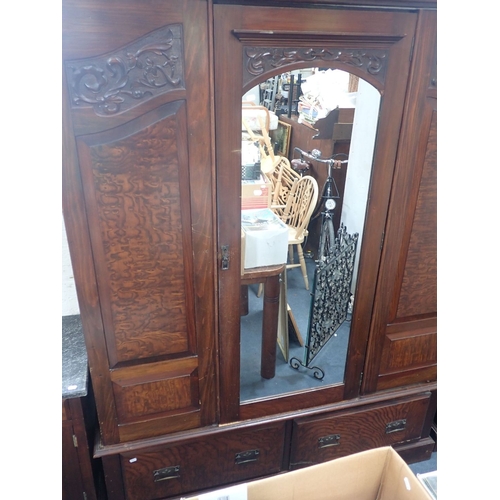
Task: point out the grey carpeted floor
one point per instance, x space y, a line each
425 466
331 358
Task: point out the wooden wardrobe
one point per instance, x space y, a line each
151 201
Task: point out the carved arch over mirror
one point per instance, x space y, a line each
267 62
268 54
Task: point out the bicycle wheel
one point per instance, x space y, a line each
326 240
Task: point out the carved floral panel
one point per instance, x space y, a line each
121 80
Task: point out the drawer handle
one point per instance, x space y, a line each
246 456
327 441
397 425
167 473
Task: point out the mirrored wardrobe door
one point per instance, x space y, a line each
260 294
323 232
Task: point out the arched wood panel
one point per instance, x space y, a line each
403 343
138 204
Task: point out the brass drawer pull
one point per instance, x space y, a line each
246 456
397 425
167 473
331 440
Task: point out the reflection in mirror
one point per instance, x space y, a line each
307 148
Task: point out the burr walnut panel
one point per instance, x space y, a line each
419 289
137 196
156 389
409 346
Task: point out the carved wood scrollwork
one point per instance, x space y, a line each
266 51
259 60
116 82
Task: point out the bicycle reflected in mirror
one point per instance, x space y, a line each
329 195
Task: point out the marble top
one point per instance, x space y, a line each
74 358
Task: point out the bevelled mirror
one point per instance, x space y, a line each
316 126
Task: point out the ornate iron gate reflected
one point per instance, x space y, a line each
331 294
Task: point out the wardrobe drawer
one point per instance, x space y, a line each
318 439
195 464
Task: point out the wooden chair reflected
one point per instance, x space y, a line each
296 215
282 179
300 196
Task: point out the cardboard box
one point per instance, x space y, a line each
265 239
379 474
256 194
